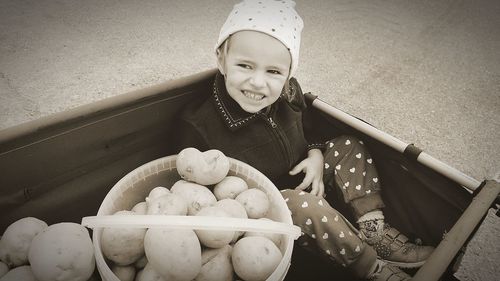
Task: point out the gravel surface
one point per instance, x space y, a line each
427 72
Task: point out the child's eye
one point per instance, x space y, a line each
274 71
243 65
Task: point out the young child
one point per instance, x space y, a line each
256 113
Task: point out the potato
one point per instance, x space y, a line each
275 237
216 265
16 240
124 273
140 208
123 245
255 258
235 210
229 187
157 192
255 201
62 252
21 273
148 274
174 253
205 168
214 238
197 196
167 204
141 263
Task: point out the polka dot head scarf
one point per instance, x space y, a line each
276 18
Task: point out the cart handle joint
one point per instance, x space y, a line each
412 152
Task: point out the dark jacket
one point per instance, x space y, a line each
272 142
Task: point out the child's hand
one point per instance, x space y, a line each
312 166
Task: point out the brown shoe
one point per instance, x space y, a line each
393 247
387 272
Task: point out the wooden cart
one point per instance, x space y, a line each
59 168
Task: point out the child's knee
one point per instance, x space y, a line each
303 204
347 141
298 197
345 148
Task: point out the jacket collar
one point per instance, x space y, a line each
233 115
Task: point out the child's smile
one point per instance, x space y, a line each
256 67
253 95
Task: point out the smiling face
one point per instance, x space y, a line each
256 67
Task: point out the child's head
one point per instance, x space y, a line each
258 51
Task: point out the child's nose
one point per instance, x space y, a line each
257 80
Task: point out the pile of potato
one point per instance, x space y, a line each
205 189
31 250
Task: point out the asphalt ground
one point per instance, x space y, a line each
426 72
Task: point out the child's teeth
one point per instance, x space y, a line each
253 96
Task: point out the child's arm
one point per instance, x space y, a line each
314 134
312 167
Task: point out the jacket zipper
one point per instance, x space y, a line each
271 121
284 148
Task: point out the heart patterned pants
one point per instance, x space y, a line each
350 170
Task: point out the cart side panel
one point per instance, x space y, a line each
62 170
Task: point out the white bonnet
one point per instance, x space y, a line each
276 18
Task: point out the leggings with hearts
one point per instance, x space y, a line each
349 170
327 233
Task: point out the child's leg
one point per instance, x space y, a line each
350 169
349 166
330 233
